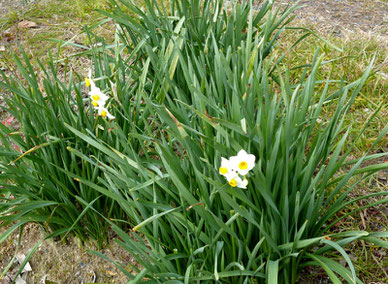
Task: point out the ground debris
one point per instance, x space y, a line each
27 25
57 261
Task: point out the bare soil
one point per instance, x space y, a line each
7 6
57 261
339 16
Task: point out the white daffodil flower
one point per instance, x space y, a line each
98 98
236 181
226 167
243 162
236 168
102 111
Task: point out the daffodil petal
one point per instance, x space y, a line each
226 167
102 111
243 162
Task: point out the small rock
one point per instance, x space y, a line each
21 258
20 280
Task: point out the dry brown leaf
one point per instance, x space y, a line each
111 273
5 280
27 25
9 34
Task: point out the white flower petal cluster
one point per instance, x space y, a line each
98 98
236 168
102 111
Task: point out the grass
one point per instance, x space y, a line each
370 260
56 23
350 64
356 55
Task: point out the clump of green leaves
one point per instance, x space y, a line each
209 98
192 226
34 158
201 31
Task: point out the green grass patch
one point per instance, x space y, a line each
349 64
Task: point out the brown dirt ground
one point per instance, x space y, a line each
59 262
7 5
341 16
62 262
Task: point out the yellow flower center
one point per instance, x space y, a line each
87 82
223 170
233 182
95 97
95 103
243 165
103 113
